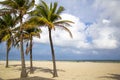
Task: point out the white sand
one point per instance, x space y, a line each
66 71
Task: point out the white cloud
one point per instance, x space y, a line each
109 9
104 33
62 38
105 21
101 34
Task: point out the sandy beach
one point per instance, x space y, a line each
66 71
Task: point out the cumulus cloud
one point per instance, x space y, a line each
62 38
101 34
110 10
108 24
105 21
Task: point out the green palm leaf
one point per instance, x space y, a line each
66 29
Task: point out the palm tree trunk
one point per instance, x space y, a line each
53 55
23 71
31 64
7 54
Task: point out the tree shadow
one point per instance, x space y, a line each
37 69
32 78
112 76
15 65
1 79
41 69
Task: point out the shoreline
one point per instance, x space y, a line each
102 61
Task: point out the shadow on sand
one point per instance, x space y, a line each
46 70
41 69
36 69
32 78
16 65
112 76
1 79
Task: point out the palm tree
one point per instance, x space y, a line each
50 17
5 36
22 7
7 23
31 30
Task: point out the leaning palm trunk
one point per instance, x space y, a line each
53 55
23 71
31 64
7 54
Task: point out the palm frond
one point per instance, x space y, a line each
10 4
54 7
43 11
9 44
63 22
37 35
27 50
60 10
20 3
41 21
29 4
50 6
44 5
4 11
66 29
6 37
55 17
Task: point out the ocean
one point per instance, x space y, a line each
43 58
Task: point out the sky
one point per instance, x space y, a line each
95 32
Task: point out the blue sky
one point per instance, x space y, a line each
95 32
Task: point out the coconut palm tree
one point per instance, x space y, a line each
5 36
49 16
7 23
22 7
31 30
